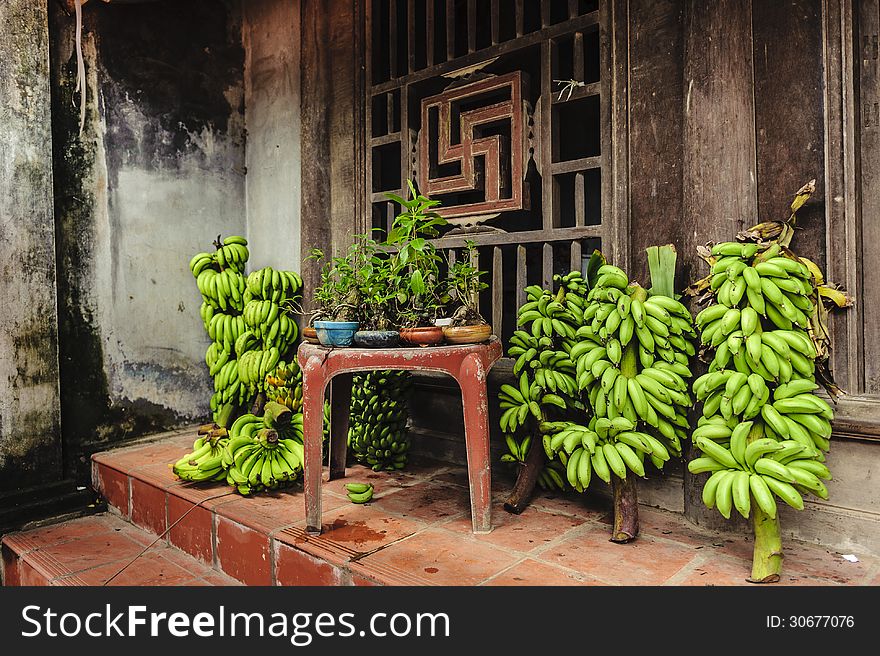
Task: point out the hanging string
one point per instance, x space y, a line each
80 67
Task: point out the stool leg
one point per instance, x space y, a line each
313 437
340 403
472 379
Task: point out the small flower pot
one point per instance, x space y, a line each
310 335
422 336
467 334
377 338
336 333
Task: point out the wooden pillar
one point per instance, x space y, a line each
719 167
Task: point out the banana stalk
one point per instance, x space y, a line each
767 555
526 478
626 496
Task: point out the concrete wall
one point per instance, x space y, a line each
156 176
271 37
30 448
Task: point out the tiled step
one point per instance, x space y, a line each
416 531
99 550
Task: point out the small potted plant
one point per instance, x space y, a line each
466 325
338 300
379 297
415 268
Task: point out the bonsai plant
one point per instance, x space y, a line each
338 298
415 268
378 314
467 325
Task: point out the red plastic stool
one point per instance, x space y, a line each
468 364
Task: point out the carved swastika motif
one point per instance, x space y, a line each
471 145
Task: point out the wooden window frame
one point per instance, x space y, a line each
857 414
613 161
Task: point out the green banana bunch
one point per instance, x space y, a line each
378 417
250 334
763 368
259 458
204 463
633 361
272 285
747 467
359 492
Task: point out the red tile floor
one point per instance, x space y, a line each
416 531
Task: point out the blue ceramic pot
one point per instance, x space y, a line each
336 333
377 338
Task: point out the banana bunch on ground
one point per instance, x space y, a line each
764 432
377 431
763 366
359 492
747 468
632 358
264 452
205 463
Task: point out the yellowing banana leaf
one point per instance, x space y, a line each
837 296
814 270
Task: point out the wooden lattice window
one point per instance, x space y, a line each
463 96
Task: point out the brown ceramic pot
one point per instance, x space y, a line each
310 335
422 336
467 334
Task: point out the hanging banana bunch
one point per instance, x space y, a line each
763 430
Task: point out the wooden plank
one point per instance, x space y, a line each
843 236
655 133
389 110
548 144
614 121
577 93
363 215
581 23
497 291
411 35
575 264
580 197
394 137
475 263
393 44
789 111
578 56
868 117
572 8
547 266
523 237
719 131
520 18
574 165
495 22
545 13
472 25
429 33
521 275
315 130
450 30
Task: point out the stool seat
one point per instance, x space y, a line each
467 364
